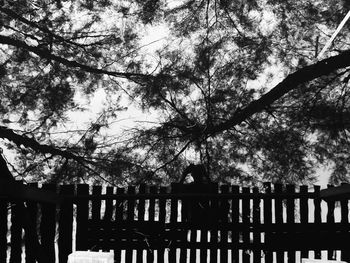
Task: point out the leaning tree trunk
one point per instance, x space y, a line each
17 191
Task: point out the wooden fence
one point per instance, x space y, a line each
170 224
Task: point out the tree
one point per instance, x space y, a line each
237 87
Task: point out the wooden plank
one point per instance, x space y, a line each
278 189
3 230
151 218
65 241
195 210
224 213
31 239
16 231
48 225
107 217
304 215
246 220
345 253
330 219
96 203
235 220
81 241
184 219
214 233
268 218
162 217
204 217
141 218
119 216
173 219
95 216
317 215
130 219
291 219
256 221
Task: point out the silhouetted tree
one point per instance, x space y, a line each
237 85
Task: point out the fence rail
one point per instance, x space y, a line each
274 223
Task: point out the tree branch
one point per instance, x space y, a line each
27 142
290 83
43 53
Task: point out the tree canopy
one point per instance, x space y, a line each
235 85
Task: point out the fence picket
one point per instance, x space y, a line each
304 214
130 219
175 233
213 232
48 226
96 217
235 214
256 222
151 218
162 215
246 221
82 241
317 216
268 218
224 213
119 215
291 220
330 220
278 189
345 253
184 220
140 218
16 232
65 225
30 240
3 230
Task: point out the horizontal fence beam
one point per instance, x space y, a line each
218 196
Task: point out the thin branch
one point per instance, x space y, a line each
174 158
44 53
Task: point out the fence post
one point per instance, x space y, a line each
235 224
65 223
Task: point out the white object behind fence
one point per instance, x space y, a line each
91 257
306 260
